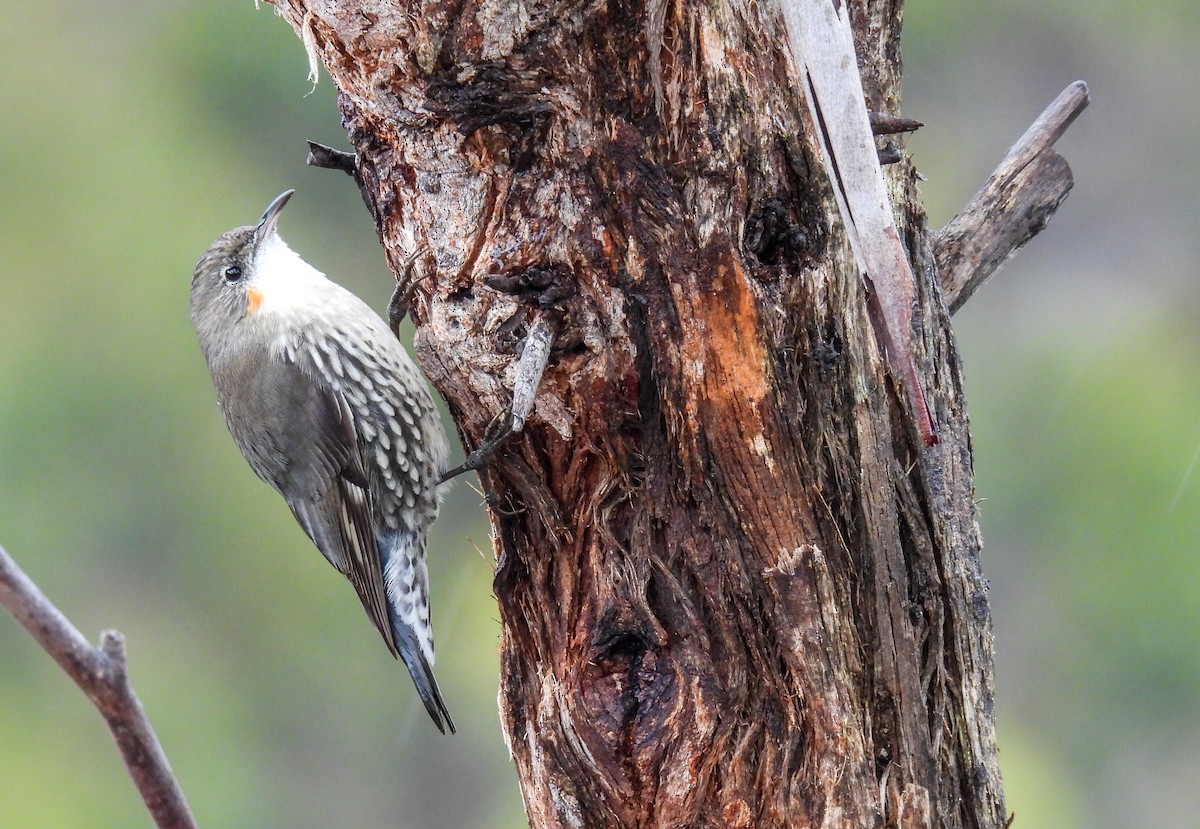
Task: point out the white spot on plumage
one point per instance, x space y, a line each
335 362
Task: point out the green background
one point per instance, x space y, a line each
132 133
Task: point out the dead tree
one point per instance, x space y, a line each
737 588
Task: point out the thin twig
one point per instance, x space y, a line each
884 124
1012 206
100 673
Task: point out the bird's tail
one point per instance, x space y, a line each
406 581
422 675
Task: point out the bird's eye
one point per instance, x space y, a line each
233 273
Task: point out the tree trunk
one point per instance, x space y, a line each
735 588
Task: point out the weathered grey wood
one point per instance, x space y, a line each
822 43
1013 205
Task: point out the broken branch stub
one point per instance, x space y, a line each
1012 207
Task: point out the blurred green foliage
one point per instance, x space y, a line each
134 133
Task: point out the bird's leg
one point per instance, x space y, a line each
500 430
406 286
531 365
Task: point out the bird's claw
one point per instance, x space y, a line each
500 430
406 286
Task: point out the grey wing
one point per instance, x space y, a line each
315 464
339 523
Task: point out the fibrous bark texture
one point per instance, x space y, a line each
735 588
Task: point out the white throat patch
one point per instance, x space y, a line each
286 282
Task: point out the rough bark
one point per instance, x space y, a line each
735 589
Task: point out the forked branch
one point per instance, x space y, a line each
100 673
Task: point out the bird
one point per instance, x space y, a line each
327 407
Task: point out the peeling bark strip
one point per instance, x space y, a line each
823 47
735 588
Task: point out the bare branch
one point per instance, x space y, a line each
100 673
1012 206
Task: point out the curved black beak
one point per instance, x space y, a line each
270 217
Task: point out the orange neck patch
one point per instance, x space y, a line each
254 298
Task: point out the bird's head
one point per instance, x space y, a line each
233 276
